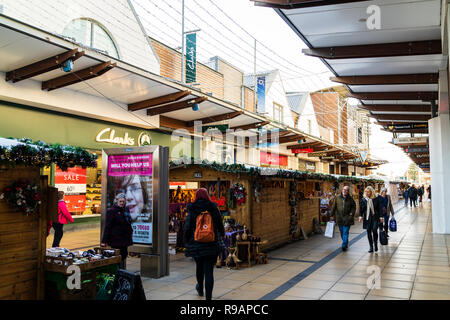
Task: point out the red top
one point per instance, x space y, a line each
64 215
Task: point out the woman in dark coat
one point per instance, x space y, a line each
118 232
204 253
369 212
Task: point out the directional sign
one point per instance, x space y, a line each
308 150
408 126
410 140
416 150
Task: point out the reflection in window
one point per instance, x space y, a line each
92 35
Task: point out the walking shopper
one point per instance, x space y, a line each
412 194
420 194
369 212
64 217
405 195
118 232
201 214
343 212
386 208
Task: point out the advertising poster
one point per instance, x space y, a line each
261 95
73 183
132 175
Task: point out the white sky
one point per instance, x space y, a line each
278 48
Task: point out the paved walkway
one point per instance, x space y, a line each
415 265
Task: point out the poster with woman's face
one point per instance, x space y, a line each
132 176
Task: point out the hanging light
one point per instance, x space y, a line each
195 107
67 66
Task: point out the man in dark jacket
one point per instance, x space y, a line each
412 194
343 212
204 253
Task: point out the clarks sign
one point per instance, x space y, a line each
108 135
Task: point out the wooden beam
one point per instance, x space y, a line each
211 119
297 4
422 78
291 138
175 106
158 101
396 107
411 117
78 76
251 126
377 50
43 66
173 123
425 96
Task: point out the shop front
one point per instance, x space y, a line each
82 186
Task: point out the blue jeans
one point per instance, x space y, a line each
345 230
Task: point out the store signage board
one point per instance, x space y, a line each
108 135
424 166
407 126
136 172
307 150
267 159
191 57
416 150
410 140
318 154
220 127
423 155
198 175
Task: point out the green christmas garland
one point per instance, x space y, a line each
40 154
279 173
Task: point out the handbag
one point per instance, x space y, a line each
393 225
383 237
329 231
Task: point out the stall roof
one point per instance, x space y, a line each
393 71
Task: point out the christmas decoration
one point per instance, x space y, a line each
22 195
39 154
239 193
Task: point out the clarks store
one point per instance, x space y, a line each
81 186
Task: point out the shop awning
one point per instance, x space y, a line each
393 71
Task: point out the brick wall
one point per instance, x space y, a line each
210 80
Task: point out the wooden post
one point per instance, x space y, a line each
42 239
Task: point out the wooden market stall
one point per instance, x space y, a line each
27 203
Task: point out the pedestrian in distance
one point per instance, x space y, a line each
369 213
118 233
412 194
405 196
343 212
429 192
420 194
203 234
386 208
64 217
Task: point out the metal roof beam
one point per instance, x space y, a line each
423 78
158 101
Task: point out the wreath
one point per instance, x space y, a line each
22 195
239 193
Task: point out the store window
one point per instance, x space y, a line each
93 35
360 135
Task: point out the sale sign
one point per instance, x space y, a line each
73 183
268 159
308 150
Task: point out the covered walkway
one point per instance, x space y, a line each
415 265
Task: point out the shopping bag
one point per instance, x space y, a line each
329 231
393 225
383 236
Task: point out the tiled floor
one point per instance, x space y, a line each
415 265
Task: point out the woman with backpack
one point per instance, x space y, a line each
203 233
64 217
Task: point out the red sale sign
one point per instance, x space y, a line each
308 150
273 159
73 183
